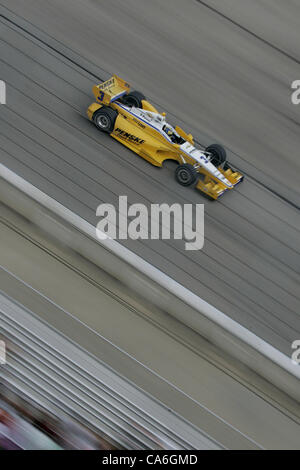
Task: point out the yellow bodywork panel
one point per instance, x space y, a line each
210 187
148 106
92 109
142 139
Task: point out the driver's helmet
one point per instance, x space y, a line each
168 130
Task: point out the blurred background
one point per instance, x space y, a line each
25 425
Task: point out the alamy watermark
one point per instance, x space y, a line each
162 221
295 96
296 353
2 92
2 352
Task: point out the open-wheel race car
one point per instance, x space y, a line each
129 118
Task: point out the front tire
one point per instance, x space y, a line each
218 154
105 119
134 98
186 174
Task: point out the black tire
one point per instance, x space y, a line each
105 119
186 174
218 154
134 98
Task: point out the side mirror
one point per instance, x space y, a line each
190 139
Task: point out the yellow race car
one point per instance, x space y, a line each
129 118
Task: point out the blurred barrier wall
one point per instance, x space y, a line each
65 380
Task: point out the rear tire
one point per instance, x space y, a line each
218 154
105 119
186 174
134 98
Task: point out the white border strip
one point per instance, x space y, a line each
177 290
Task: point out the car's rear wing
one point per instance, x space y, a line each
111 90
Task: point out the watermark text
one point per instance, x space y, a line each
161 221
296 353
295 97
2 92
2 352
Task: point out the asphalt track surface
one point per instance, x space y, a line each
222 70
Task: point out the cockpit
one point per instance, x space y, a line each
158 121
172 134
